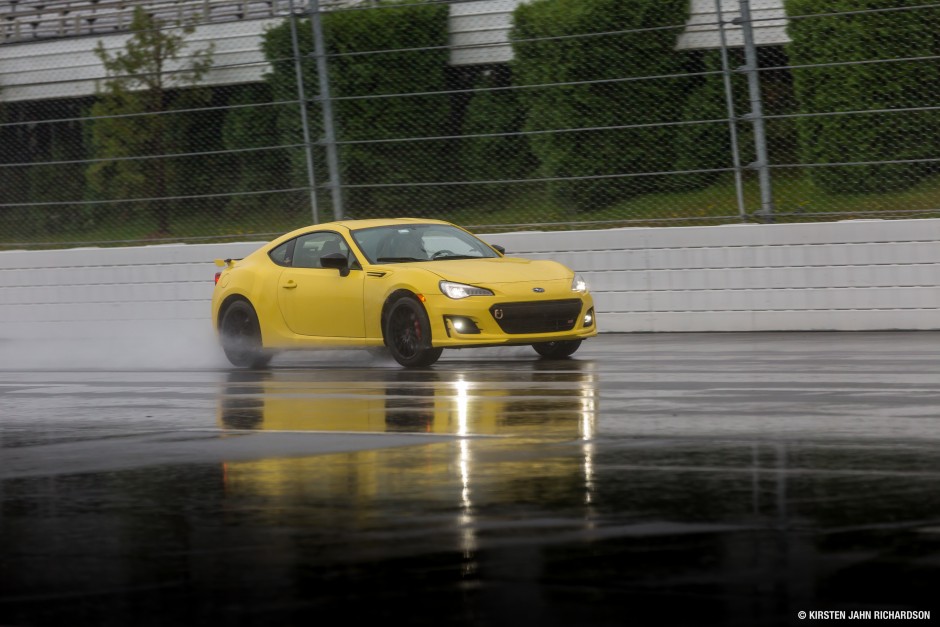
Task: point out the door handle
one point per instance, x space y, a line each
290 284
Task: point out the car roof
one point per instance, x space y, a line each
354 225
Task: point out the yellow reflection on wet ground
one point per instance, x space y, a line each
520 435
538 400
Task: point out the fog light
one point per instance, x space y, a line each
588 318
461 324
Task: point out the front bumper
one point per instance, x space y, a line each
495 321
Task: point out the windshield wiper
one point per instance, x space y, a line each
438 258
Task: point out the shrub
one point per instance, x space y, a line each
255 171
638 50
505 154
865 137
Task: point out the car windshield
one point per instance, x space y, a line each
419 242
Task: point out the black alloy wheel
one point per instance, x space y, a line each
408 334
241 336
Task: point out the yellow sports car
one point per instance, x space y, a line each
413 286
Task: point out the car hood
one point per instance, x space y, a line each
497 271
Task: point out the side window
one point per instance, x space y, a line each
283 255
311 247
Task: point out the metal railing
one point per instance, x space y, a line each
353 110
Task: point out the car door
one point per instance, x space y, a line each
319 301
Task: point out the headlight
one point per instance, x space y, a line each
578 284
459 290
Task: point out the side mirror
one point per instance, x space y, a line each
502 251
337 261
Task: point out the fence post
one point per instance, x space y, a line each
326 102
302 98
756 115
732 122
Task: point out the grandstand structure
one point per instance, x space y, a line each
30 20
47 46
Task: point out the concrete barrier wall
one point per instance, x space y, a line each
854 275
860 275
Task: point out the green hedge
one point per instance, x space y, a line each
502 153
650 53
844 88
704 144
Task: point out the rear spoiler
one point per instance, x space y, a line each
226 262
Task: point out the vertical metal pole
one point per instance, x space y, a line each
329 133
756 116
732 123
302 98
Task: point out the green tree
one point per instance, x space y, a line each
144 82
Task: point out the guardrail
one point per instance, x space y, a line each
858 275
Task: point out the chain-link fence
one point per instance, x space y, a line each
182 120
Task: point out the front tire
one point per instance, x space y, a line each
408 334
240 334
557 350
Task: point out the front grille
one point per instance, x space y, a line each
537 317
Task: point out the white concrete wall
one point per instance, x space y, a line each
97 292
854 275
825 276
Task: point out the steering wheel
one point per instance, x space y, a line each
443 253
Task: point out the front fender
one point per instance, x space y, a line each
382 285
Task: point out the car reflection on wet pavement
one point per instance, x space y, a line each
690 479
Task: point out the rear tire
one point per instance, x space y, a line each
240 334
557 350
408 334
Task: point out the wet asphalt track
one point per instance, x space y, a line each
653 479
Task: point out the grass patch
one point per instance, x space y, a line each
527 207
